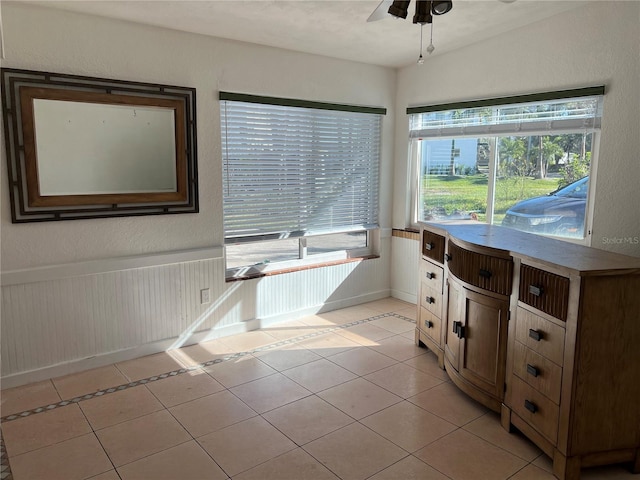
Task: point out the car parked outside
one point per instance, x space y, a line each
560 213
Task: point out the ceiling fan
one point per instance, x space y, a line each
425 9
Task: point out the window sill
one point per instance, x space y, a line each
250 273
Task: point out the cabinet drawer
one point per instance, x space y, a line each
539 372
431 275
481 270
535 409
430 324
545 291
540 335
431 300
433 246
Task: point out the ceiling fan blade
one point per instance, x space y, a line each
381 11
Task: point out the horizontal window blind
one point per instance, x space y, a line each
293 171
474 119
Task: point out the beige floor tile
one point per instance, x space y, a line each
411 335
389 304
448 402
270 392
355 452
248 341
135 439
211 413
362 360
205 351
319 375
394 324
408 426
151 365
365 334
119 407
240 370
410 312
544 462
403 380
354 313
294 465
27 397
245 445
75 459
288 330
286 358
463 456
110 475
183 388
187 461
307 419
428 363
89 381
488 428
531 472
328 344
409 468
399 348
319 321
43 429
359 398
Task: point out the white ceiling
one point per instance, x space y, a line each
335 28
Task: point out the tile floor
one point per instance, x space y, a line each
342 395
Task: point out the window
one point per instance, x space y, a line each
300 181
522 162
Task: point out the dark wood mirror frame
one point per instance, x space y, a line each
21 88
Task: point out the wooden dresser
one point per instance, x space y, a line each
544 331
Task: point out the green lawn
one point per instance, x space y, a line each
466 194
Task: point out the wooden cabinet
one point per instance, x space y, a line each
544 331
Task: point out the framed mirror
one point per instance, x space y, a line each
81 147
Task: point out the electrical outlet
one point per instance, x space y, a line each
205 296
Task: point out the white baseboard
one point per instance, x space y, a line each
405 296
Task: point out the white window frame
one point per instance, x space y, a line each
304 259
414 150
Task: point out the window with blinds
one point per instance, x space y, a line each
523 162
295 169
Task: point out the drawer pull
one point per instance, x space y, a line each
430 300
485 273
460 331
448 257
535 334
536 290
430 275
533 371
456 326
428 323
429 246
530 406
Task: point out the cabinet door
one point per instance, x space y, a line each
483 342
455 319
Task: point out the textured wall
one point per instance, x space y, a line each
591 45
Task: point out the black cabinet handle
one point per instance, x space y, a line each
485 273
428 246
428 324
536 290
535 334
533 371
430 300
430 275
530 406
456 326
461 331
448 257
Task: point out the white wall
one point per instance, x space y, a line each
101 303
592 45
